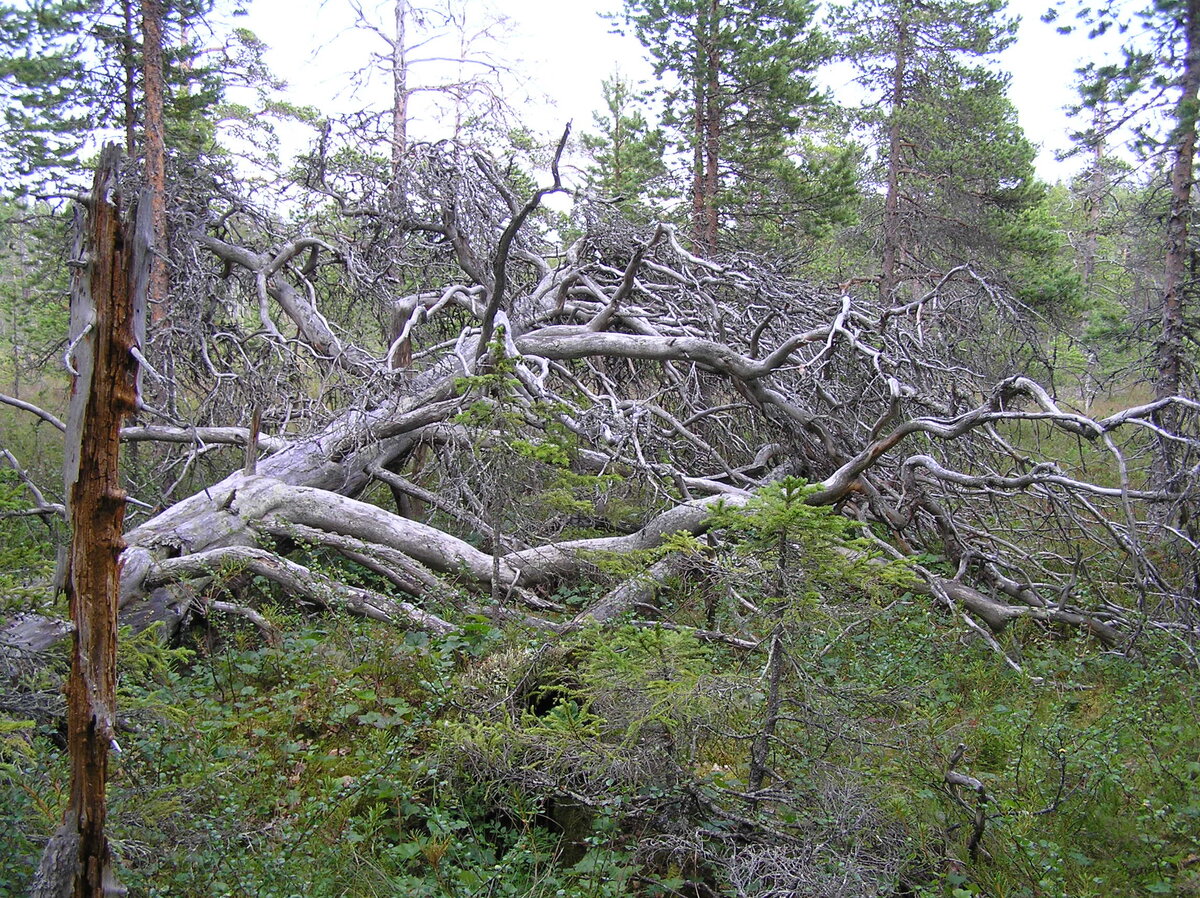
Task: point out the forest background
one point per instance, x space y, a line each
753 490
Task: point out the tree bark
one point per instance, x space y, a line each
698 182
1170 342
105 305
712 129
129 72
399 104
760 748
156 154
891 203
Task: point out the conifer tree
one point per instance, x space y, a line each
70 69
739 89
46 88
1155 88
957 169
1155 84
627 154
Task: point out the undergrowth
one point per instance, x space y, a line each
354 759
357 760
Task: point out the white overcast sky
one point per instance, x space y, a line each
564 49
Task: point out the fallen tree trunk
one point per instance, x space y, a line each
631 388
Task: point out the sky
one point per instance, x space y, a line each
564 49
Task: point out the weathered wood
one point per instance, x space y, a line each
31 634
77 860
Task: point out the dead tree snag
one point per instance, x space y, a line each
105 330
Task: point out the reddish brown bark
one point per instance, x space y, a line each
77 860
891 203
156 153
712 130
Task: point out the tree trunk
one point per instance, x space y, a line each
1170 341
1093 199
106 303
760 748
891 203
712 130
698 182
399 104
129 72
156 154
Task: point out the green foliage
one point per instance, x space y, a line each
528 460
1036 262
44 86
1140 80
739 95
33 300
951 151
627 154
70 68
803 553
26 551
359 760
804 193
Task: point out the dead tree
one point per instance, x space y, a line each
691 381
107 318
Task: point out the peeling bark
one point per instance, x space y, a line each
106 303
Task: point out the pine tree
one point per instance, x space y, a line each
70 69
627 154
739 76
46 88
1156 87
959 185
1156 81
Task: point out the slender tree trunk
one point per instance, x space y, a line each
712 131
26 303
1175 280
156 153
106 303
1094 201
1097 187
891 203
760 748
129 70
399 104
399 188
698 183
1169 347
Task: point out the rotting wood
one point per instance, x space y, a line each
107 299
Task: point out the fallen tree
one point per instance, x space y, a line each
625 388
